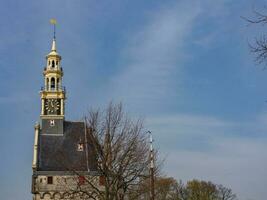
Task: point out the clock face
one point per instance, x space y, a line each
52 106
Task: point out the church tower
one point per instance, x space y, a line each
53 94
63 153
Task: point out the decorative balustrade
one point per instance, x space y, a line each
53 69
53 89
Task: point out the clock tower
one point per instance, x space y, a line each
61 147
53 94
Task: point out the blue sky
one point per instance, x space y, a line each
183 65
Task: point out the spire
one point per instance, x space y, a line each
53 51
54 45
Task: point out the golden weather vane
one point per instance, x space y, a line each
54 22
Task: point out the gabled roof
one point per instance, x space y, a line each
60 153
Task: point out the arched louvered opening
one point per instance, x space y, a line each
53 63
52 83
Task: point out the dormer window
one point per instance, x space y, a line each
80 146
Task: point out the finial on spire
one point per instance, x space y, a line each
54 22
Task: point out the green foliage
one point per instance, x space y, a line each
167 188
201 190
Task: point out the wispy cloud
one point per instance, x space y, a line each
151 61
189 120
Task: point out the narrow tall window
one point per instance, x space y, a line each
58 83
47 83
81 180
52 83
102 180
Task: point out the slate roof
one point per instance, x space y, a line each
59 153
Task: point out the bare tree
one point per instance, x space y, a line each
120 145
259 46
225 193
